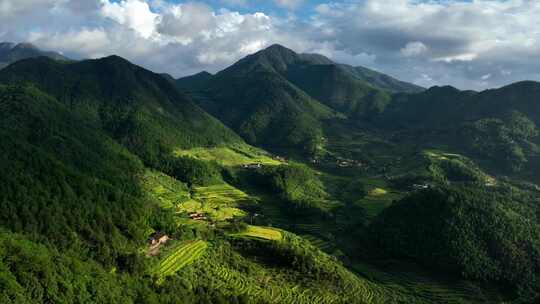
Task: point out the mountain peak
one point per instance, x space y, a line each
26 46
6 46
204 73
11 52
278 47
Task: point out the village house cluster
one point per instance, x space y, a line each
157 239
197 216
252 166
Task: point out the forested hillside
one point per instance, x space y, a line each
278 98
136 107
122 185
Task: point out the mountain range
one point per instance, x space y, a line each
11 52
277 97
284 178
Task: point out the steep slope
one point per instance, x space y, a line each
63 181
279 98
140 109
484 234
262 105
383 81
354 91
10 52
337 88
194 82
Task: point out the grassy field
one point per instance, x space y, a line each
258 232
180 256
230 156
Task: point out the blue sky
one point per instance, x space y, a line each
468 44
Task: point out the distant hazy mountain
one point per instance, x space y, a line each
498 125
11 52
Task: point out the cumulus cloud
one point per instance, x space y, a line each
459 41
453 42
135 14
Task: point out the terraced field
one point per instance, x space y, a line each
425 289
258 232
219 202
318 242
166 190
230 156
311 228
266 284
181 256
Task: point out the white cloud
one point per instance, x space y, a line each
11 8
135 14
92 42
460 57
413 49
465 38
430 42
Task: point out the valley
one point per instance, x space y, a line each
285 178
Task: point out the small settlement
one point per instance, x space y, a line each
197 216
252 166
155 241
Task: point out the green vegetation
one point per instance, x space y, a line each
470 231
229 156
508 139
261 233
168 191
182 255
298 185
448 167
139 109
192 171
377 192
220 202
63 182
96 156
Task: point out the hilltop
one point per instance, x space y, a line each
11 52
278 98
